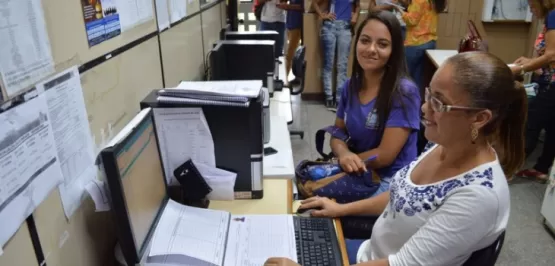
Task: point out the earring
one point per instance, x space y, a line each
474 135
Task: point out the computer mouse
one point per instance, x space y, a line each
307 212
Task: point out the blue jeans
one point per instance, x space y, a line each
352 249
280 28
335 35
415 60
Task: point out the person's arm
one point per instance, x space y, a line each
356 10
453 231
414 13
371 206
316 5
403 119
339 147
548 57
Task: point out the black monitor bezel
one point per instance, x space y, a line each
126 237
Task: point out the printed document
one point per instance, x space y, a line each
162 14
178 10
25 55
29 167
221 181
74 144
134 12
183 134
252 239
192 232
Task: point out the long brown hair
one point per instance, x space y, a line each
545 6
490 84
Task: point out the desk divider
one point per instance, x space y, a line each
85 238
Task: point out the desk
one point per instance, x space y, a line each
279 165
437 57
280 105
277 199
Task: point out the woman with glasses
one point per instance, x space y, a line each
454 199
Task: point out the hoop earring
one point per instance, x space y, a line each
474 135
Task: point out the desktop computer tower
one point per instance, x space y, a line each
265 35
242 60
237 133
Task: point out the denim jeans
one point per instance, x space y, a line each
335 35
280 28
384 186
352 249
415 60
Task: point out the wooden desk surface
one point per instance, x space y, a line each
278 198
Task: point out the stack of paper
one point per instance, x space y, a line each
226 93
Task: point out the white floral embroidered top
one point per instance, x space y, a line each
440 223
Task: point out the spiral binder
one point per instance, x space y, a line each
167 99
197 96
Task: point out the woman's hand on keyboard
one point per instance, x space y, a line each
323 207
280 262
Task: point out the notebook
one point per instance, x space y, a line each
241 88
193 236
168 99
164 92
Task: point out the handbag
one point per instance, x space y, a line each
472 41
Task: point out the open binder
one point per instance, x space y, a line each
193 236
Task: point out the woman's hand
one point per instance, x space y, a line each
516 69
522 60
328 16
280 262
351 163
327 207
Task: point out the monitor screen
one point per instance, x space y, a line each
142 179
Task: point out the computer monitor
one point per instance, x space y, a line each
133 169
242 60
262 35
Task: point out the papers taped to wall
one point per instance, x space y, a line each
29 167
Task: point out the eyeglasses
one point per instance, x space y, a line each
440 107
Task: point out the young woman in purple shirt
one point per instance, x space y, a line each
379 106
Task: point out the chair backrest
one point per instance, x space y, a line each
488 255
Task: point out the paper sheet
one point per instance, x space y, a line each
252 239
221 181
183 134
162 14
25 55
29 168
99 194
193 232
68 116
178 10
134 12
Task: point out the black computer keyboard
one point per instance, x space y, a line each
317 243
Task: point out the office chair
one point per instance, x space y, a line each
488 255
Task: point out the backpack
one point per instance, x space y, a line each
342 187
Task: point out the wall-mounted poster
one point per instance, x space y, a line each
101 20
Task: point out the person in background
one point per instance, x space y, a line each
421 18
294 25
454 199
386 5
337 16
273 18
379 105
541 112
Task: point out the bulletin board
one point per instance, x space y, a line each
115 75
506 10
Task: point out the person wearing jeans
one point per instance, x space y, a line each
421 19
273 18
294 25
335 35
